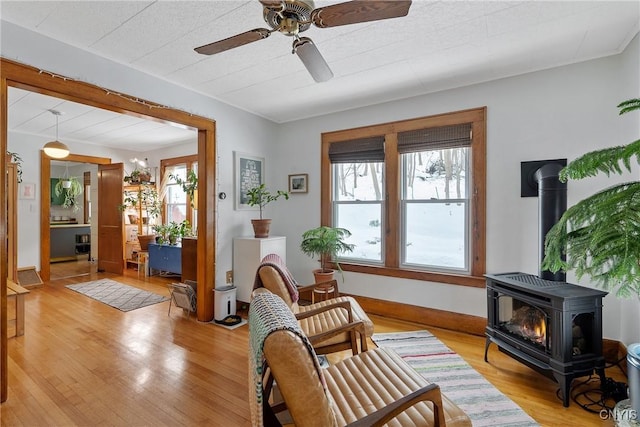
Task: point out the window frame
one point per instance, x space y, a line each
392 214
405 201
189 161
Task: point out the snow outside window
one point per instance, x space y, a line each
358 203
435 209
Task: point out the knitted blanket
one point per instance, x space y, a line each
268 313
273 260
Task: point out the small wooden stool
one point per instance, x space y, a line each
15 307
143 259
323 292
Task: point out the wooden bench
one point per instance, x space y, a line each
15 309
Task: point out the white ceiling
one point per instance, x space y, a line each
439 45
29 113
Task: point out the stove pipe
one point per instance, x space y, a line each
552 202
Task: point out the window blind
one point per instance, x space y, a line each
435 138
357 150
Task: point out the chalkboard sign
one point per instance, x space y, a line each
249 171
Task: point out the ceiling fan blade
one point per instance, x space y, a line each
312 59
353 12
234 41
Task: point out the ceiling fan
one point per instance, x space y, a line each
291 17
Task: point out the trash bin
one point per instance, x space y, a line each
225 302
633 371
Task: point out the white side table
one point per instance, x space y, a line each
247 254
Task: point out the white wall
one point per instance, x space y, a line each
557 113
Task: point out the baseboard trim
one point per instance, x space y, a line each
428 316
615 352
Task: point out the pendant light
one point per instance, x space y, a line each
56 149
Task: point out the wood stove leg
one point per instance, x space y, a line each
486 349
565 386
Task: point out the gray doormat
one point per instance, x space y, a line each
117 295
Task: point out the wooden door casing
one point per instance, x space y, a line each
45 208
12 221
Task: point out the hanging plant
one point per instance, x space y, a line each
70 188
15 158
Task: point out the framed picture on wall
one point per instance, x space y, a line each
298 183
249 173
27 191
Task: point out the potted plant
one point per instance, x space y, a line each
261 197
189 185
327 243
599 235
69 188
138 176
178 230
162 233
169 233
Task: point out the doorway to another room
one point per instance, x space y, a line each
73 242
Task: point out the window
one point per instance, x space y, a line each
177 204
358 167
176 198
412 194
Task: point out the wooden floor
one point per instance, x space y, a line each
84 363
81 267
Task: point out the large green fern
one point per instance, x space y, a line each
600 235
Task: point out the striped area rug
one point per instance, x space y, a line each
483 403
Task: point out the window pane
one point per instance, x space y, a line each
364 221
439 174
177 213
358 181
435 234
178 170
175 194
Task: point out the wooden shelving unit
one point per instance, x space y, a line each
135 222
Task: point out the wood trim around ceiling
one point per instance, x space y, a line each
15 74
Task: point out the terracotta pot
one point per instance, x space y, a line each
261 227
145 239
323 276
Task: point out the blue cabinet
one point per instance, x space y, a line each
165 258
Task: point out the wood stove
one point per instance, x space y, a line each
553 327
542 321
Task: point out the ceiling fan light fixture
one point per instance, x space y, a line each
56 149
312 59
